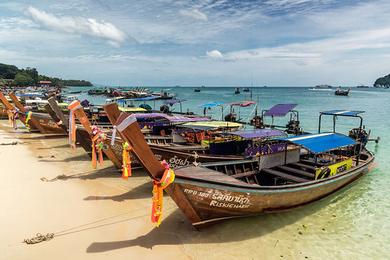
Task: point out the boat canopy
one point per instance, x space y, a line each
173 101
319 143
342 112
138 99
131 109
172 119
259 133
243 103
31 95
212 104
212 125
280 110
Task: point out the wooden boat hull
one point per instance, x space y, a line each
213 201
180 157
48 124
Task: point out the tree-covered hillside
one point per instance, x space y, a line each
10 74
383 82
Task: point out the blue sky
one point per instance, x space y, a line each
200 42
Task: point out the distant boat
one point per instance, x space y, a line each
197 90
322 87
362 86
246 90
237 91
342 92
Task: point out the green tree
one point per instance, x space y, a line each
33 73
23 79
8 71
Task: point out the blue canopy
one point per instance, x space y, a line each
212 104
319 143
342 112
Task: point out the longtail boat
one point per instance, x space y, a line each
185 155
314 166
40 121
12 112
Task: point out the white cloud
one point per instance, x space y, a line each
194 13
318 50
78 25
215 54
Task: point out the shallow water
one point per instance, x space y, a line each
353 223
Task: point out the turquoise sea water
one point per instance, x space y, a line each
352 223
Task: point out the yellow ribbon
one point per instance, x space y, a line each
126 160
28 118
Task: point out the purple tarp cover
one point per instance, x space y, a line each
173 119
259 133
280 110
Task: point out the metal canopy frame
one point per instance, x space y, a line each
354 114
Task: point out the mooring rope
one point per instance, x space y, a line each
49 236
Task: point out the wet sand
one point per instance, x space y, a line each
48 188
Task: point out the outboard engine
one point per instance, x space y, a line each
257 122
164 109
85 103
292 127
360 135
230 117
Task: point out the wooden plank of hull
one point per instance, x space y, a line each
109 152
48 124
177 158
214 202
54 106
55 118
5 102
34 122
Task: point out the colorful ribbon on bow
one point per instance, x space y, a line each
126 160
158 188
12 116
28 118
97 145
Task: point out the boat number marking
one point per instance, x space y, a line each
221 200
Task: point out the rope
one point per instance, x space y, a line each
49 236
59 177
39 238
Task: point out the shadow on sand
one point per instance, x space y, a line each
176 229
78 158
109 172
139 192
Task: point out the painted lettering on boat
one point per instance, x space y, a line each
175 162
221 200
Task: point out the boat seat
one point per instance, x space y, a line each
285 175
302 165
244 174
297 171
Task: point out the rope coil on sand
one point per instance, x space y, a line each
39 238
